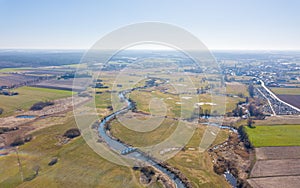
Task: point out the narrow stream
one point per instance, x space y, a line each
119 147
231 179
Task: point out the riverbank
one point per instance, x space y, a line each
175 178
233 157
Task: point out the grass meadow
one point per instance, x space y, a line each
27 97
274 135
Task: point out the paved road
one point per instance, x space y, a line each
274 96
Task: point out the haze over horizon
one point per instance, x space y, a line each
220 25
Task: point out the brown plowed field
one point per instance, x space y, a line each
291 99
275 182
269 153
276 167
267 168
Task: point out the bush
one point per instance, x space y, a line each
28 138
72 133
7 129
244 137
84 95
40 105
148 171
1 111
53 161
17 142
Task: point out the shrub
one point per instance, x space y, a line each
28 138
1 111
84 95
148 171
7 129
53 161
72 133
17 142
40 105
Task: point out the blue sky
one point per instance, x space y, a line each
220 24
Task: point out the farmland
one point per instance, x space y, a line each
179 89
286 91
289 95
11 80
276 167
276 182
271 153
267 168
27 97
274 135
291 99
63 84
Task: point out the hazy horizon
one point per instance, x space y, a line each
220 25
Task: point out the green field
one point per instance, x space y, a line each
5 70
286 91
78 165
27 97
274 135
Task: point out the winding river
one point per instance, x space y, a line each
118 146
137 155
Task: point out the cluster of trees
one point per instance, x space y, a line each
38 58
251 90
238 111
21 140
100 85
194 70
244 137
72 133
199 112
113 67
151 83
253 106
9 93
40 105
73 75
7 129
147 171
253 110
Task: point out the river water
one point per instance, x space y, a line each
137 155
119 147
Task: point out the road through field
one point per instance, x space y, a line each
274 96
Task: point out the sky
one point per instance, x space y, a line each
219 24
